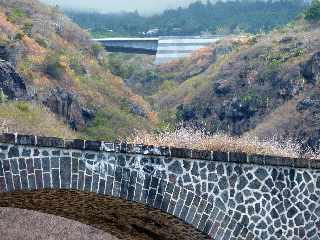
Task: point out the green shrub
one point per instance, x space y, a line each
3 96
15 15
96 49
23 106
313 12
27 28
43 42
53 67
19 36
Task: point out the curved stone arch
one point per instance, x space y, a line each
41 175
242 194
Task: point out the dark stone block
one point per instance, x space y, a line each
178 208
26 152
116 189
93 145
46 180
118 174
16 182
220 156
13 152
124 189
203 221
55 162
88 183
36 152
32 182
6 165
165 202
74 182
255 184
30 166
24 179
125 174
314 163
102 187
201 154
176 167
154 182
191 214
256 159
109 185
151 197
39 181
133 178
14 166
189 198
147 182
74 144
81 181
26 140
158 201
196 220
273 160
55 178
171 208
45 153
82 165
65 172
2 185
7 138
184 212
50 142
75 164
237 157
37 163
261 173
95 183
131 190
207 227
180 152
137 194
45 164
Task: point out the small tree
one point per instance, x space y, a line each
3 97
313 12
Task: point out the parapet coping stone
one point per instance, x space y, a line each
169 152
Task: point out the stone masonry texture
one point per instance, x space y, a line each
146 192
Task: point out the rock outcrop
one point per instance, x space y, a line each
66 105
310 70
12 84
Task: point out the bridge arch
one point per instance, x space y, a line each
161 192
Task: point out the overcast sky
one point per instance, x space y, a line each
143 6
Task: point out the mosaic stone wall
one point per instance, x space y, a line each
222 195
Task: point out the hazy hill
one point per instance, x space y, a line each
222 17
55 64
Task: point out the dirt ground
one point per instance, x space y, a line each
16 224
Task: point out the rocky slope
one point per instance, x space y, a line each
48 59
265 85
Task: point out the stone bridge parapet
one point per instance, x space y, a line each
147 192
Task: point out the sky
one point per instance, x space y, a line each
145 7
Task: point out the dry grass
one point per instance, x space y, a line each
28 118
196 139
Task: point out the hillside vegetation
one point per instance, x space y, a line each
65 71
221 17
264 85
268 88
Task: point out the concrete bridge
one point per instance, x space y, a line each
166 49
145 192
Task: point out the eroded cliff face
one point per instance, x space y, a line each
67 105
12 84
